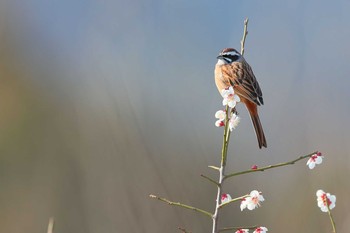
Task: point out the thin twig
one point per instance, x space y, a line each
210 179
237 228
183 230
182 205
270 166
50 225
232 200
245 33
213 167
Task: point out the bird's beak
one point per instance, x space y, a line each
220 57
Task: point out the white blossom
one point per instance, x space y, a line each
325 199
252 201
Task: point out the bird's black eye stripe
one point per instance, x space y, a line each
229 58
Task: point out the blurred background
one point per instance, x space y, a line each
105 102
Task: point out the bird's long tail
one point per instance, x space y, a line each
253 111
259 130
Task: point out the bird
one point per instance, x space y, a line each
232 69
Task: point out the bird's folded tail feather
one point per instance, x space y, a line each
258 130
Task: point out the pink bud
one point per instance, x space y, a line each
254 167
223 196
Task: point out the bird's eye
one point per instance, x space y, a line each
234 57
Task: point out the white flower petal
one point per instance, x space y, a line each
251 206
220 114
219 123
318 160
234 120
254 193
319 193
311 165
236 98
243 204
225 198
232 104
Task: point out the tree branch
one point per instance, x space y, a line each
225 143
270 166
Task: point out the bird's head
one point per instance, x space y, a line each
227 56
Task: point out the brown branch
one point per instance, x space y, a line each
270 166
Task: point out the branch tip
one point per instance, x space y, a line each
213 167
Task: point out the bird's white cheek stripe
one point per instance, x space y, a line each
221 62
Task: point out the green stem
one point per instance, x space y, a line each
210 179
225 139
331 218
237 228
182 205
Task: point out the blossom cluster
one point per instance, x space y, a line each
315 159
229 99
252 201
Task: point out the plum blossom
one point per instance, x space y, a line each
221 115
252 201
242 231
325 199
230 98
234 120
260 230
225 198
315 159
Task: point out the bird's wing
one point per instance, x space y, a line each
240 75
